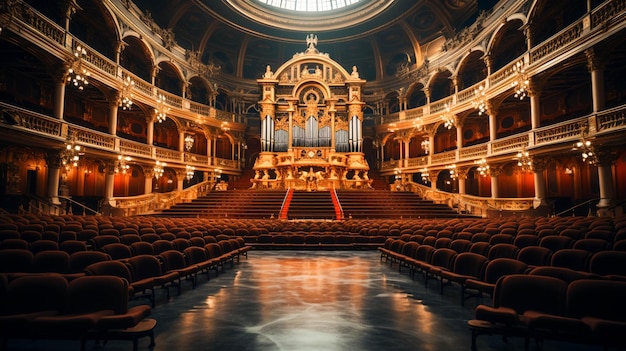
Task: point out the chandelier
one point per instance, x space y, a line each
161 108
126 102
452 169
159 169
70 157
479 102
524 161
447 118
122 166
587 151
424 174
189 140
483 167
426 146
520 84
77 75
190 171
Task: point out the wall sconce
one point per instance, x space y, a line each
189 140
483 167
161 108
126 101
77 75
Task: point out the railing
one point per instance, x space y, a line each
24 18
142 204
61 130
573 208
86 209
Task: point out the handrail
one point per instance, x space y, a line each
79 204
338 204
576 206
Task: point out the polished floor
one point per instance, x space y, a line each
310 300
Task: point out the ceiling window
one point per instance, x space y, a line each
309 5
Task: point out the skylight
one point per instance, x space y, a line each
309 5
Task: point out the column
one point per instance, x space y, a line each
407 154
180 178
109 181
605 177
596 67
458 124
535 103
181 141
148 173
494 172
461 175
53 162
59 92
113 108
150 131
493 124
539 165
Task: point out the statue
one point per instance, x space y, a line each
311 42
268 72
355 73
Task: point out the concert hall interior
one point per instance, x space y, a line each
312 174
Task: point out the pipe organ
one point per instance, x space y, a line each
311 125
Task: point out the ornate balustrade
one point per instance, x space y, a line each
473 152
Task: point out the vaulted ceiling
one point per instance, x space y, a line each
243 36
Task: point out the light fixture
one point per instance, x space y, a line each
190 171
524 161
122 166
161 108
159 169
224 126
425 175
77 75
448 119
189 140
398 173
70 157
218 173
126 101
479 102
587 151
483 167
426 146
520 84
452 170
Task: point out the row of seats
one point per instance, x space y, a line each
539 307
478 268
88 307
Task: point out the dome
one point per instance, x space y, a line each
244 36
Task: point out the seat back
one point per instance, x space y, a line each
35 293
523 292
98 293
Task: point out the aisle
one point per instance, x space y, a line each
310 300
